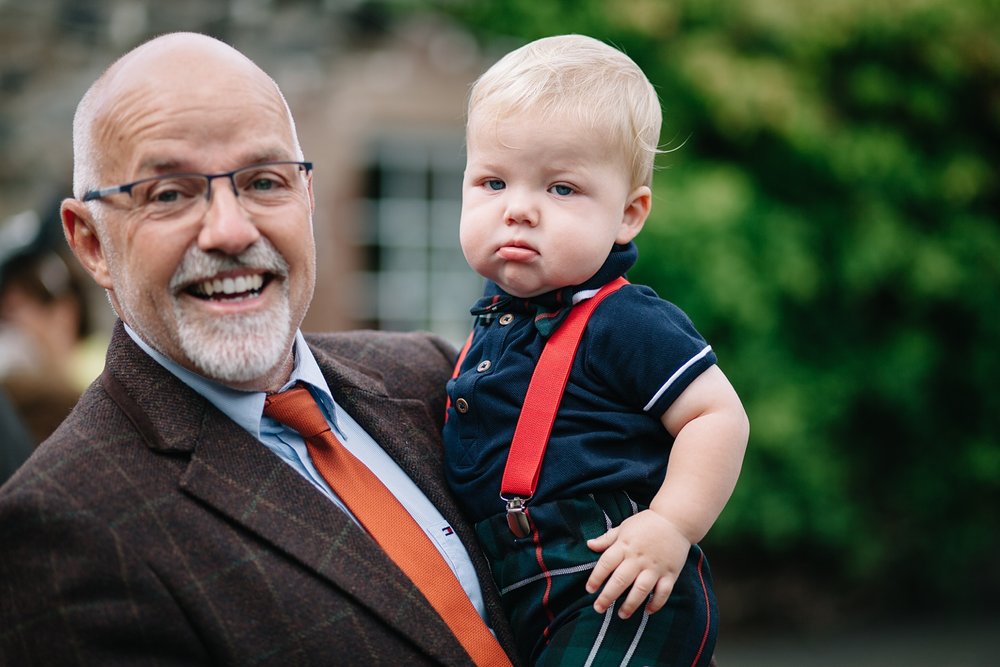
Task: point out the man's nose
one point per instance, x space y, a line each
226 225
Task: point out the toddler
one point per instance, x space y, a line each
561 138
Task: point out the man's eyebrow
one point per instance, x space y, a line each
173 166
159 166
269 156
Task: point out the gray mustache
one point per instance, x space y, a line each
200 265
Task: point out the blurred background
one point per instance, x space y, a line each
827 211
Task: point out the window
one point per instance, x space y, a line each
415 275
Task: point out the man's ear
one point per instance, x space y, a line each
634 216
81 235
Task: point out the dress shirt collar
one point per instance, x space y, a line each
246 408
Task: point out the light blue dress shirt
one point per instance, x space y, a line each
247 410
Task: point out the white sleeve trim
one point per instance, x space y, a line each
677 374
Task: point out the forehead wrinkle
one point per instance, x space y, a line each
119 115
151 133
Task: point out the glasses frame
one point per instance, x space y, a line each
101 193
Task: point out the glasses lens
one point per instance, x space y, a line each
169 196
270 184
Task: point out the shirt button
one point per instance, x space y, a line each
506 319
484 366
462 405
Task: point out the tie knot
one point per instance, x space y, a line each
296 409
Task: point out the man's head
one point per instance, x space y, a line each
217 273
582 79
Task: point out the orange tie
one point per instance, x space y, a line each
387 521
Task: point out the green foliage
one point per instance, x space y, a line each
828 216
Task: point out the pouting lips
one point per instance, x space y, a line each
240 287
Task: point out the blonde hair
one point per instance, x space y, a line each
584 78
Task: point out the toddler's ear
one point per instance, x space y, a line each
634 216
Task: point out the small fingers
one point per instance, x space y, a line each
618 583
606 564
660 595
602 542
637 595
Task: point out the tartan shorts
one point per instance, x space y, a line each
541 579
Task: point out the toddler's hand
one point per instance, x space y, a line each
647 552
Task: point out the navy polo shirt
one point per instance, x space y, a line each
636 356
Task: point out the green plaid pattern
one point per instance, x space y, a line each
552 615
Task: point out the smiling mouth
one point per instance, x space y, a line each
230 289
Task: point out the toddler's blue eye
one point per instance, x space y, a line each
562 190
495 184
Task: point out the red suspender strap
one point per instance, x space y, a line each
534 426
454 374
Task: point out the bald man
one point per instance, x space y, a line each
168 520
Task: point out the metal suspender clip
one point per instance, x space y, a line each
517 516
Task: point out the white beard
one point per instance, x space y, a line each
235 348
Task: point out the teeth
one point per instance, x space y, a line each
230 286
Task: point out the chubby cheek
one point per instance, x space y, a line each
473 242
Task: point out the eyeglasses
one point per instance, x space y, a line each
258 187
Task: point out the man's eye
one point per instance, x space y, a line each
166 196
172 191
260 182
562 190
263 184
495 184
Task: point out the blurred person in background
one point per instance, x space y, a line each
45 362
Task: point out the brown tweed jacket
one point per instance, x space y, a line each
149 529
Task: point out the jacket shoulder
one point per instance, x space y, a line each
408 362
362 344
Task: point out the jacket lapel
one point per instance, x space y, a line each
231 472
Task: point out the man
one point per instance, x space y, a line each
151 528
